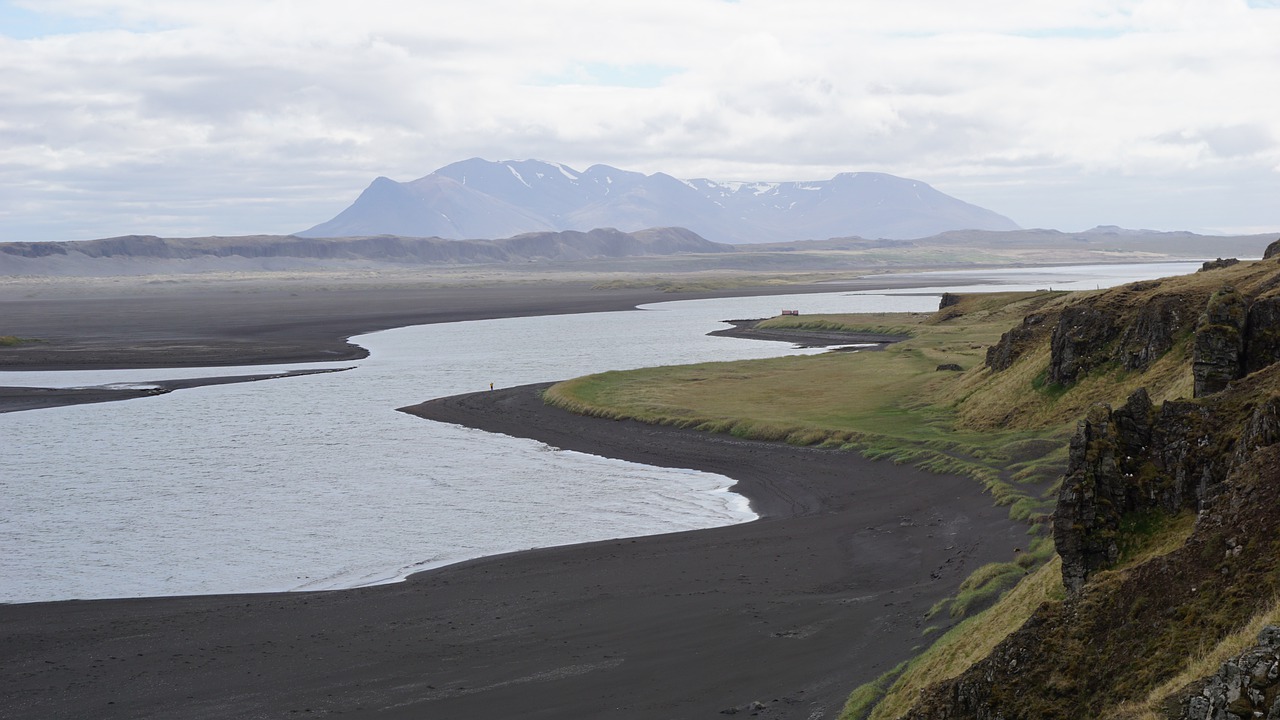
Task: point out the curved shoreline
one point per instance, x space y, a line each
19 398
748 330
243 324
791 611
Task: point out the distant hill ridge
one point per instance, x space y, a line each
478 198
641 250
21 257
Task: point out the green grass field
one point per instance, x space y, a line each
892 404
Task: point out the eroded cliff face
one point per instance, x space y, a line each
1247 686
1138 457
1262 334
1154 330
1081 341
1219 345
1133 459
1233 333
1122 634
1117 635
1017 341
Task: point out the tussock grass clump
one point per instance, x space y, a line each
988 582
862 700
1201 664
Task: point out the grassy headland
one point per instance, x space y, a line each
894 404
1009 428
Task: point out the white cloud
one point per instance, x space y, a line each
186 117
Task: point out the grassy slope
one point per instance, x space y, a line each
1001 428
1018 398
891 404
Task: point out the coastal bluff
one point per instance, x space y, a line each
1194 442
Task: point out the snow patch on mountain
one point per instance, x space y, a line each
484 199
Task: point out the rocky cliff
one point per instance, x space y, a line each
1247 686
1126 626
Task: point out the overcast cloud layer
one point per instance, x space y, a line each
187 117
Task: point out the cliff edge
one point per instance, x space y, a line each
1180 386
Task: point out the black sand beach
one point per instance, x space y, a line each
780 617
16 399
188 324
791 611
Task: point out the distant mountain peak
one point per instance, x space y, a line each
478 198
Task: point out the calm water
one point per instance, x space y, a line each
316 482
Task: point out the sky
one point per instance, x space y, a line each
189 118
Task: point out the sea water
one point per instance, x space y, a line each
316 482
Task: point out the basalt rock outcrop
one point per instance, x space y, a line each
1132 459
1137 458
1016 341
1234 334
1220 342
1154 330
1133 331
1217 264
1247 686
1125 627
1081 341
1087 337
1120 637
1262 334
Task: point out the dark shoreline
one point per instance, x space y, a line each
17 399
22 398
792 611
747 329
249 325
224 328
